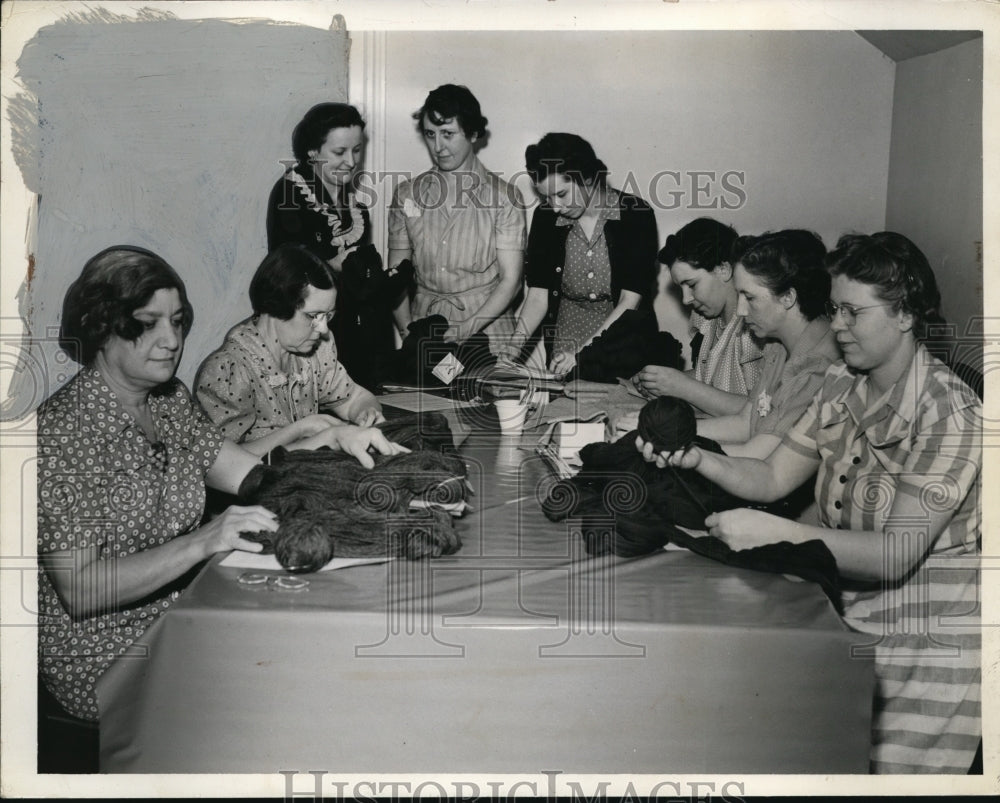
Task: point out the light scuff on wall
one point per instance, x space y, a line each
163 133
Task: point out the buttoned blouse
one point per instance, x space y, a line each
587 271
246 393
454 242
922 438
102 483
927 430
629 232
788 382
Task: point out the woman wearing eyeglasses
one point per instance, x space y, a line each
276 371
895 439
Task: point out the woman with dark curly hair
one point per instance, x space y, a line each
124 458
783 288
277 375
461 226
895 439
591 250
314 204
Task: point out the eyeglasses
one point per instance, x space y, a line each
316 318
849 312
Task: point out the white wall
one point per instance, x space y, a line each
935 194
167 134
804 115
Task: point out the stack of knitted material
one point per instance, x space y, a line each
626 347
424 347
363 277
329 506
631 507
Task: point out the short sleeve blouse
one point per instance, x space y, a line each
101 483
244 391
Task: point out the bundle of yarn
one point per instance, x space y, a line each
424 347
668 423
328 505
629 507
363 277
626 347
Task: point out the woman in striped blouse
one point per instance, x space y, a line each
896 441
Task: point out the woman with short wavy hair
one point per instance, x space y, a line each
591 250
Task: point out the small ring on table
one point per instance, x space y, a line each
291 583
252 579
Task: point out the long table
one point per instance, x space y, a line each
517 654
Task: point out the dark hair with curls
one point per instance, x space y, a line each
452 101
278 287
568 154
112 286
703 243
896 268
318 122
791 259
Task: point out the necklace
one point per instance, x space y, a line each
339 236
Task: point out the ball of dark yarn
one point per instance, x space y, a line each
305 546
668 423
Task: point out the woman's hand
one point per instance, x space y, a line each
222 534
658 380
369 417
562 363
356 441
459 332
315 423
682 458
337 262
746 528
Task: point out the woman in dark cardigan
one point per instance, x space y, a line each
591 250
314 205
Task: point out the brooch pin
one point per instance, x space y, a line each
763 404
410 209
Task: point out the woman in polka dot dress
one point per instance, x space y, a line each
267 383
124 457
591 250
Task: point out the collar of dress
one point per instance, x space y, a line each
889 421
111 419
612 210
247 336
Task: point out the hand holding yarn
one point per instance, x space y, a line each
562 363
658 380
224 532
357 441
667 429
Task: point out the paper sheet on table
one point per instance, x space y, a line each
238 559
417 401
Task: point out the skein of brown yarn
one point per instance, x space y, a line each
328 505
668 423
